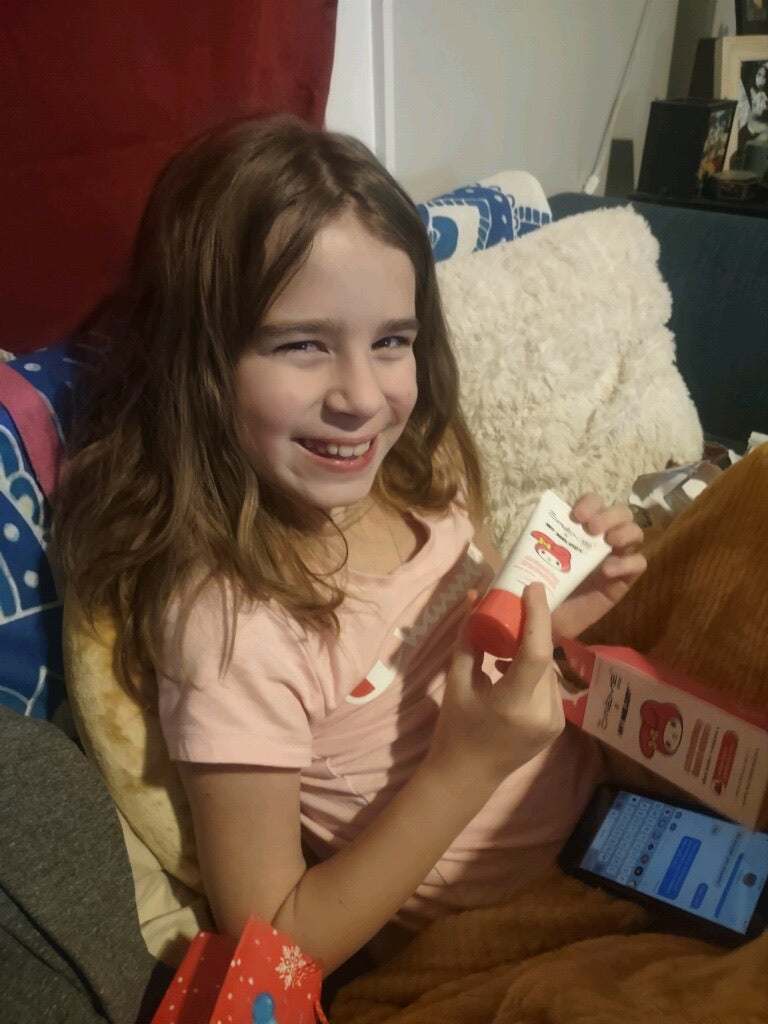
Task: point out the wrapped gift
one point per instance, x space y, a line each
264 978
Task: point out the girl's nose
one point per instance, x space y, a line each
355 389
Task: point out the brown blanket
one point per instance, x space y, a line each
560 954
565 954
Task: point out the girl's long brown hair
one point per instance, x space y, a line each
157 492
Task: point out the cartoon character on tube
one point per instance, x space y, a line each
555 555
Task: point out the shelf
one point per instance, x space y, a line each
746 207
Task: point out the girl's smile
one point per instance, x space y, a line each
341 456
328 384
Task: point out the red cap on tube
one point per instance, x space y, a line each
496 625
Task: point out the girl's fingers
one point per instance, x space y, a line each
465 656
597 518
466 667
608 520
586 507
625 537
631 565
535 651
619 529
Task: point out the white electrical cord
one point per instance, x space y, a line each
594 179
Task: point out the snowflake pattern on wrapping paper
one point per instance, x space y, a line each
291 966
262 977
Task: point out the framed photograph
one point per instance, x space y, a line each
741 74
685 144
751 17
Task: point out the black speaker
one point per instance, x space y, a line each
620 177
685 142
703 75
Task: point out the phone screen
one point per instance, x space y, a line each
703 865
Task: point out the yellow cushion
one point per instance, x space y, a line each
124 739
170 914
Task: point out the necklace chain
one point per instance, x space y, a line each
348 518
400 559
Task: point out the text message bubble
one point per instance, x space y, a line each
698 897
679 867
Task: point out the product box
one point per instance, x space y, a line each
685 732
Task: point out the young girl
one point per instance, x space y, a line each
288 535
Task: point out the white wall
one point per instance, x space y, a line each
447 91
697 19
352 106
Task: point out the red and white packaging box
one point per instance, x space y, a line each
678 727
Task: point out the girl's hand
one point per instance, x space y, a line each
486 730
610 581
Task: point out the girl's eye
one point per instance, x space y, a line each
298 346
393 342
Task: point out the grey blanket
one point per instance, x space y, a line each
70 945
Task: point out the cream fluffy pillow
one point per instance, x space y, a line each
568 369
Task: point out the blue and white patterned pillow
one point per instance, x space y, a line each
497 209
31 437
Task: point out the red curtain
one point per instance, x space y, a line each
95 95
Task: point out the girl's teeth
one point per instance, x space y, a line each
345 451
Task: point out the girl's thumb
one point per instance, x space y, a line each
467 661
536 642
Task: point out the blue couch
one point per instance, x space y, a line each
716 266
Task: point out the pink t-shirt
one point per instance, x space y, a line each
355 715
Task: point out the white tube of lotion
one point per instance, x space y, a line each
553 550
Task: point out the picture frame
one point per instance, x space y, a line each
685 143
751 17
741 74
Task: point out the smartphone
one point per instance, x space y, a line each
701 874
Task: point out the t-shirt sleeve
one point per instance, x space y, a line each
255 707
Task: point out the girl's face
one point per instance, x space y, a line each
327 385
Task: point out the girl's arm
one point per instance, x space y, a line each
247 822
249 844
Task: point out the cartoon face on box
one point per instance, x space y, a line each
661 728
